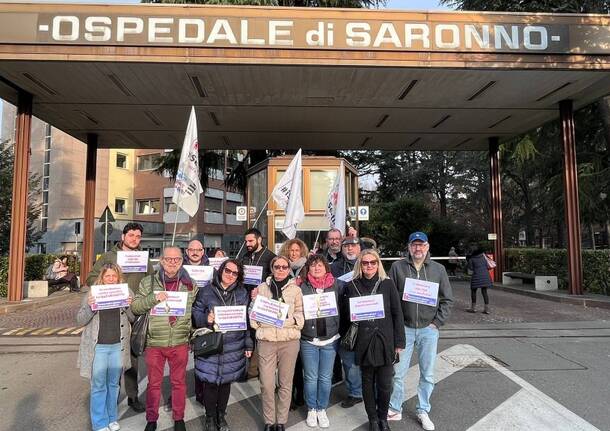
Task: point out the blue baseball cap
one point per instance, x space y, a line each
418 236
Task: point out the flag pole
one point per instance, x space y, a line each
254 225
176 218
316 241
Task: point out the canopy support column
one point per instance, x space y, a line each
496 206
572 208
87 256
19 204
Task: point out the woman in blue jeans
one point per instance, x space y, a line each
104 351
319 337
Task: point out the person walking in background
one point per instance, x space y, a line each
480 279
130 241
380 340
278 348
167 336
422 323
217 372
104 351
319 341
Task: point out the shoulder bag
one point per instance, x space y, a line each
206 342
138 334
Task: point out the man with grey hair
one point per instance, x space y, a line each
168 333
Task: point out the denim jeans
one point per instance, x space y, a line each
353 378
425 341
318 364
105 378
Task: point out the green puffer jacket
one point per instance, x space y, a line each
160 332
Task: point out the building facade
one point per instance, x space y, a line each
128 185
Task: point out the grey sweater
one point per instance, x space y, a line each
418 315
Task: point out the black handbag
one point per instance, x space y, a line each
206 342
348 342
138 334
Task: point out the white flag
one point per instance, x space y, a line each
287 195
188 187
335 208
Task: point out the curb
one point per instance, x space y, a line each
574 300
57 297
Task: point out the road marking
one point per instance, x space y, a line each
46 331
527 409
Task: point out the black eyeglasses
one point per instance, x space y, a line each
280 267
229 272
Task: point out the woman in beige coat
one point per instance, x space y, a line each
278 347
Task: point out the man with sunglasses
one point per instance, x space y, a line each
130 241
167 335
422 323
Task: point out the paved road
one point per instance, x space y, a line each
531 364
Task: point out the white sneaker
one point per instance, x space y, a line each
312 418
394 416
114 426
104 429
323 419
425 421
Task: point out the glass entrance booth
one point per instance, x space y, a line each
319 173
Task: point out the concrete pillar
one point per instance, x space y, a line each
19 204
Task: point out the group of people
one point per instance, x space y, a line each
293 353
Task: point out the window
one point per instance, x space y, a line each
169 206
121 160
43 225
213 205
45 170
232 207
147 162
148 206
119 206
320 184
45 183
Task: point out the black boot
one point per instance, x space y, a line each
136 405
269 427
383 425
210 423
374 426
221 422
280 427
179 425
151 426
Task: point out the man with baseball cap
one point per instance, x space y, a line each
423 315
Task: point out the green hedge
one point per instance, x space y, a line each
596 266
35 268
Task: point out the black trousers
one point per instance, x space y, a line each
377 402
473 295
131 378
69 279
215 397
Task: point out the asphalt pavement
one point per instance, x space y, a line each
529 365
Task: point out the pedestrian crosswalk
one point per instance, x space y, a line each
42 332
526 408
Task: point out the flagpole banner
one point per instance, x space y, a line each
335 207
287 195
188 187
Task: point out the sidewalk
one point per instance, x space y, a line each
586 300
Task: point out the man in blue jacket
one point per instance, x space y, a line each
422 323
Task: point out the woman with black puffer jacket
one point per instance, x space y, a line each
217 372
